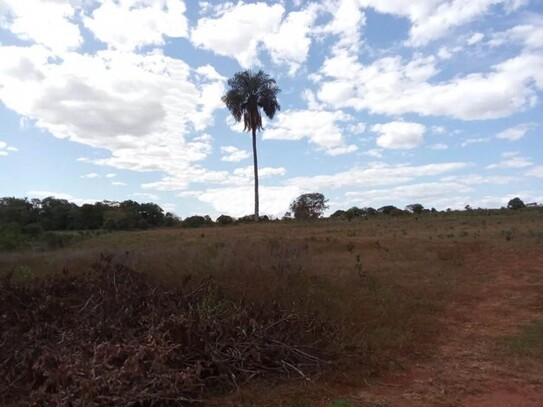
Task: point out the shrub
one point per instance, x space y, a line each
195 221
225 220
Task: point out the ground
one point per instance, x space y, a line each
439 309
468 367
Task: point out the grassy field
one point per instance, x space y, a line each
389 287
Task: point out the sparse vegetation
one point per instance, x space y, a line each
373 297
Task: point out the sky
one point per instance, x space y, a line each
383 102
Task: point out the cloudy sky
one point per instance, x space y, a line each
383 102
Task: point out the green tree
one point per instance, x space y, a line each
248 94
416 208
309 206
515 203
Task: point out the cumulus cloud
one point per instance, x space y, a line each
91 175
144 108
399 135
322 128
433 19
146 195
536 171
237 33
475 140
131 24
375 174
394 87
425 193
515 133
529 34
512 160
475 38
438 146
239 201
233 31
233 154
198 175
48 23
5 149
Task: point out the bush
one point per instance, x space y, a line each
11 237
225 220
33 230
195 221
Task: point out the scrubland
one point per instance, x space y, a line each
430 309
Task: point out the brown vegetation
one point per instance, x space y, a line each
380 295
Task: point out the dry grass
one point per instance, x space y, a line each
383 282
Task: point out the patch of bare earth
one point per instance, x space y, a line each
469 367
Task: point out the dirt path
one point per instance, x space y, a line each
470 368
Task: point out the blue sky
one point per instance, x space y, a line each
383 102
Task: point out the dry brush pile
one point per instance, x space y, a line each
116 337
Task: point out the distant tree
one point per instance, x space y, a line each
248 94
414 208
57 214
151 213
339 214
287 216
516 203
387 209
309 206
195 221
354 212
370 211
225 220
170 220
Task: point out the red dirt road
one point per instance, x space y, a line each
470 367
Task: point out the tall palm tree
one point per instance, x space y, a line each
248 94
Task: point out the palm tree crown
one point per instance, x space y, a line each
248 93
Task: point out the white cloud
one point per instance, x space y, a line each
477 179
233 31
439 146
131 24
390 86
399 135
146 195
512 160
321 128
530 35
44 22
375 152
348 19
248 172
375 174
111 175
144 109
237 33
475 140
119 183
475 38
233 154
290 43
60 195
433 19
239 201
426 193
91 175
536 171
515 133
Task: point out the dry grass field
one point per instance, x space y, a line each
438 309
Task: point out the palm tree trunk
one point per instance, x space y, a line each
255 163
